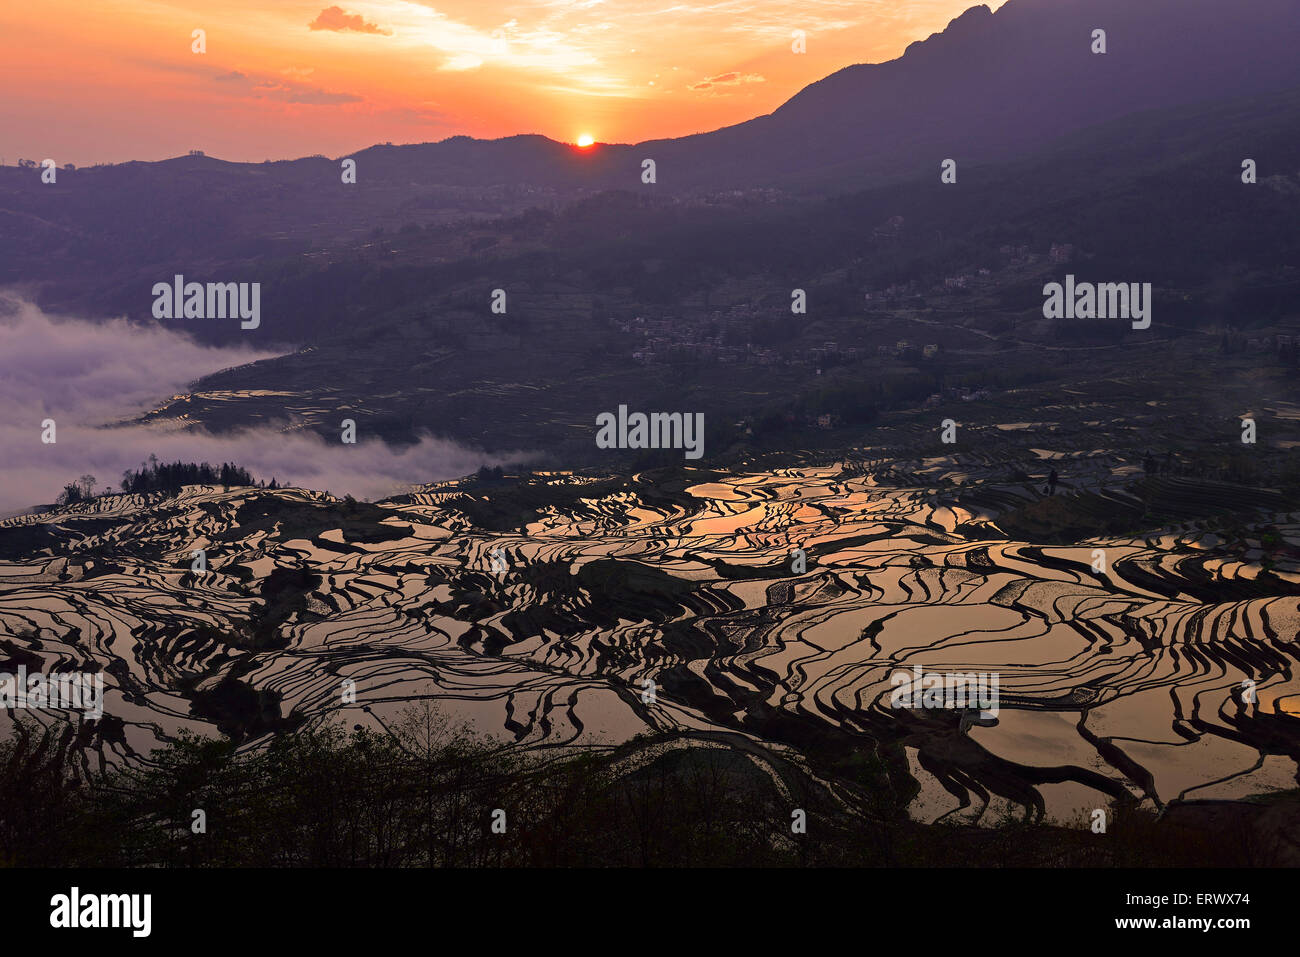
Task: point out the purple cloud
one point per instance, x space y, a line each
336 19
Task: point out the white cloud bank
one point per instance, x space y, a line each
89 375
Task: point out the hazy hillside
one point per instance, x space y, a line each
993 86
401 328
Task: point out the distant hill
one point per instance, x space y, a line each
993 88
996 85
990 86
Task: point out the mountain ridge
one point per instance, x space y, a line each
993 50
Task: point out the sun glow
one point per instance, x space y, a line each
291 79
585 140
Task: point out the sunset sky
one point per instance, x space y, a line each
113 80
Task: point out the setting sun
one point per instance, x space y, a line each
299 77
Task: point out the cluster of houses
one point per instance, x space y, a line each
964 394
902 347
1269 343
667 339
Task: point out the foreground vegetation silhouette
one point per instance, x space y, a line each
426 793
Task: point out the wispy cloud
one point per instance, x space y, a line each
547 43
280 88
617 68
726 80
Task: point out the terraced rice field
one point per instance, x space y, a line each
1124 678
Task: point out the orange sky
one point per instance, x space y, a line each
112 80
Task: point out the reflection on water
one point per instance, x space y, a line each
1162 669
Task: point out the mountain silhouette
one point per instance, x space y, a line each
990 86
998 85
